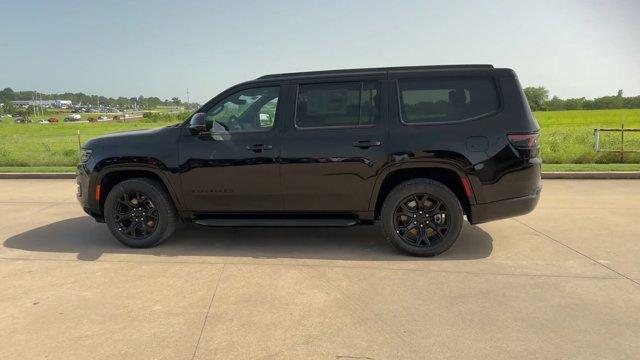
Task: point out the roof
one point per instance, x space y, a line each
374 71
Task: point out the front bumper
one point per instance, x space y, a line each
84 193
502 209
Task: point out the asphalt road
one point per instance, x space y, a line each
562 282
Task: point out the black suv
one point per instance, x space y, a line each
416 148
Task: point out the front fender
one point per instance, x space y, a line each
137 167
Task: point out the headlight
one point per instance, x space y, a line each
85 155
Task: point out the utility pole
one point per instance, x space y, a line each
39 101
187 96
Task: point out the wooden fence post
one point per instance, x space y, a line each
622 142
79 143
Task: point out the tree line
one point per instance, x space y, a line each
538 98
8 94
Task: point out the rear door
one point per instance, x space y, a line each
335 145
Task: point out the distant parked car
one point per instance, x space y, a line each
103 118
92 119
22 120
73 117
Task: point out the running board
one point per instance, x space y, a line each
278 222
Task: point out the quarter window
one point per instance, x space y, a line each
245 111
446 100
350 104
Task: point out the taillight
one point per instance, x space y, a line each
524 141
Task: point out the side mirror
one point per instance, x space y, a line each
197 124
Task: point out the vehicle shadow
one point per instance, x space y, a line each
82 235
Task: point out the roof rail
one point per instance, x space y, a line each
375 70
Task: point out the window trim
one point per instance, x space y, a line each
275 121
478 117
335 127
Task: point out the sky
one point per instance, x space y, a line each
162 48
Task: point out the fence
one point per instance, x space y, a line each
622 149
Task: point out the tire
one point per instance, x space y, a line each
161 213
428 193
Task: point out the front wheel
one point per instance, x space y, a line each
422 217
140 213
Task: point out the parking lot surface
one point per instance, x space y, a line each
562 282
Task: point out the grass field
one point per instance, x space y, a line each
566 138
37 169
55 144
586 167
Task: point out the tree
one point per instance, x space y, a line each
536 96
632 102
8 107
7 94
555 104
574 104
608 102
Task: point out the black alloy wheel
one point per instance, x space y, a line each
135 215
421 220
140 213
422 217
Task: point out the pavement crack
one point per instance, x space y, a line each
576 251
332 266
204 323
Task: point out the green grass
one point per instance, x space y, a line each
590 167
37 169
55 144
566 138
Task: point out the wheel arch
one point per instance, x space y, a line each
110 176
449 175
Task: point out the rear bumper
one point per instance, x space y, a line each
481 213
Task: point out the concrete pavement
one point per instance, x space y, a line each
562 282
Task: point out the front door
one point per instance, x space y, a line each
235 166
333 151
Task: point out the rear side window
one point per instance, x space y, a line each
436 100
350 104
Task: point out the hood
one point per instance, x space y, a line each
135 133
123 136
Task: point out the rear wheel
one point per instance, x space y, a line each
140 213
422 217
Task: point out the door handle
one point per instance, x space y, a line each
365 144
259 147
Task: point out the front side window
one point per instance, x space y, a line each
245 111
349 104
446 100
